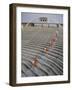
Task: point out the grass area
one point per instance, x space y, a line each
38 33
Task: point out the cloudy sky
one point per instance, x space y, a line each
34 17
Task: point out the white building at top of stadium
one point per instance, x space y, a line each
41 19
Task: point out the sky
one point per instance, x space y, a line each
34 17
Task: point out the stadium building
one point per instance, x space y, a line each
41 20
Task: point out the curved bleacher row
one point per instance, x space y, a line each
33 45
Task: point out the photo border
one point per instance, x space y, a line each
12 63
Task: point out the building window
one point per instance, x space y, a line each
44 19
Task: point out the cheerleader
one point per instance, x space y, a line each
35 62
53 40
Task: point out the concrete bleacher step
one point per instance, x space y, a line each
32 54
35 52
39 60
